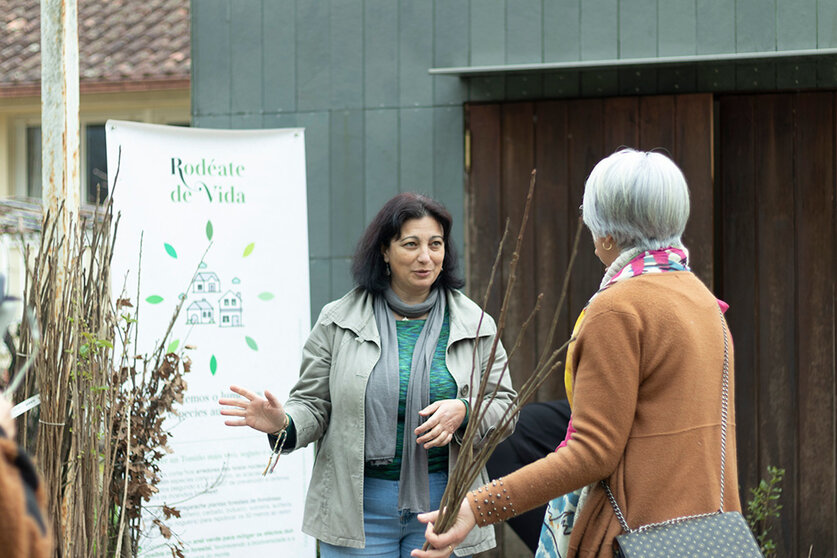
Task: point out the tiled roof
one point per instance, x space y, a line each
119 41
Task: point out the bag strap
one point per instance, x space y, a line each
724 419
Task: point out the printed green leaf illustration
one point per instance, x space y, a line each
154 299
266 296
249 249
170 250
213 365
173 346
251 343
209 230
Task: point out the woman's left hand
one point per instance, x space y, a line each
445 417
441 546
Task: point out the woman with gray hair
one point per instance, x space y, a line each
644 377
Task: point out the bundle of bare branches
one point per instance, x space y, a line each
98 434
472 458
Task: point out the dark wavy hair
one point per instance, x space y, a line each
368 267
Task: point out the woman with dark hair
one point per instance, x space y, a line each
384 388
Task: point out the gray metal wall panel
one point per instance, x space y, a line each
415 150
246 121
448 175
279 56
280 63
638 29
599 29
562 30
415 53
215 121
282 120
319 273
346 54
826 24
313 67
488 32
381 159
318 179
755 25
346 194
450 48
341 277
796 24
677 25
211 39
246 57
524 31
380 51
715 26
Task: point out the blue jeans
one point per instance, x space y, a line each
389 533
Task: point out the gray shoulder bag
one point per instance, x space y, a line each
719 534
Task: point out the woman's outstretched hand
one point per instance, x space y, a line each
445 417
7 423
441 546
265 414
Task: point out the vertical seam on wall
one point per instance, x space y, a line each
618 29
735 28
296 62
261 65
229 58
295 109
433 104
543 35
363 106
398 104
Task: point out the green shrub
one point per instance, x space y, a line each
763 506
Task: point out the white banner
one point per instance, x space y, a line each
246 314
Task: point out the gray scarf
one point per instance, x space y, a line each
382 395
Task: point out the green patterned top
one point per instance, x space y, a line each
442 386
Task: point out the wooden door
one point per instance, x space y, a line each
764 239
778 246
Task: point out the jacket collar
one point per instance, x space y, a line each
355 312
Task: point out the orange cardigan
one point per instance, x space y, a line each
647 364
23 522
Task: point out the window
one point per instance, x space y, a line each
33 161
28 179
226 319
95 182
97 163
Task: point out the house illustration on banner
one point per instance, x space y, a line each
229 309
206 282
200 312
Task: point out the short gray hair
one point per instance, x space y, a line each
640 198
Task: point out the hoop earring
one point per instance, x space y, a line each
607 248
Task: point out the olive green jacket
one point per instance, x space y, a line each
327 405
